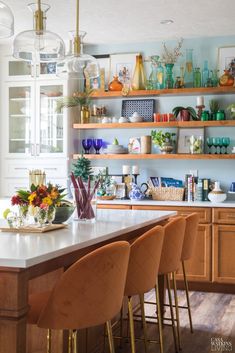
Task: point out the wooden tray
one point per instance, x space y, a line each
33 229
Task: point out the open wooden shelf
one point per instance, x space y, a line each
164 92
156 156
219 123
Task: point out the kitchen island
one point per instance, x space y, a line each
25 257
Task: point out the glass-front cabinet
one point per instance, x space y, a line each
35 128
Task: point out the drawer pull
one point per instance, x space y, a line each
231 215
20 168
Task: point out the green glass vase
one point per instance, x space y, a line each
169 82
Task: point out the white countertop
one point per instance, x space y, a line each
147 202
27 249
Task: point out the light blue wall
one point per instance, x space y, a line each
203 49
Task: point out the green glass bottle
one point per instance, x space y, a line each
197 80
169 82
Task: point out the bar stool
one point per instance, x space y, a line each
142 275
191 230
170 263
89 293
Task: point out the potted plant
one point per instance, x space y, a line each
231 110
185 113
165 141
82 168
214 107
78 99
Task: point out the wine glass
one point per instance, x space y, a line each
86 144
226 143
97 144
209 142
216 142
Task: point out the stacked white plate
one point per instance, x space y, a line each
115 149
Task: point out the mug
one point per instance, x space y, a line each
232 187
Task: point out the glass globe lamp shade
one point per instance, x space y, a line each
6 21
78 66
39 44
44 46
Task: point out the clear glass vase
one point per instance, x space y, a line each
139 77
188 75
51 214
85 201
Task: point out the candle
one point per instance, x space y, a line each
126 169
200 101
135 169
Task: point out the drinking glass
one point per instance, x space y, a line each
226 143
97 144
86 144
216 142
209 142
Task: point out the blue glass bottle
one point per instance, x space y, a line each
205 74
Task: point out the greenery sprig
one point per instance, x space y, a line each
77 99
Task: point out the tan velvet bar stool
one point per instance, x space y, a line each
89 293
142 277
191 230
170 263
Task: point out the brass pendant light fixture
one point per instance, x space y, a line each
6 21
78 65
38 45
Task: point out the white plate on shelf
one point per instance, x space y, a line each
231 192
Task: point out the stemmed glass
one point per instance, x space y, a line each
97 144
226 143
216 143
209 141
86 144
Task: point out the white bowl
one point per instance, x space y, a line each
134 119
135 115
216 197
123 120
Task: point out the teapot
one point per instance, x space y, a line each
136 193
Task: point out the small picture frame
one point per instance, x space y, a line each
184 135
226 60
123 66
104 63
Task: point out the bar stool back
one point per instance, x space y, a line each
89 293
170 263
142 276
191 231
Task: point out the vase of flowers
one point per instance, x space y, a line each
169 58
39 202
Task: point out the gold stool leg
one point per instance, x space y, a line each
159 316
187 297
74 339
131 320
121 327
110 336
144 322
70 341
176 310
172 312
48 341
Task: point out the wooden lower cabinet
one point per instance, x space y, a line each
198 268
114 207
223 246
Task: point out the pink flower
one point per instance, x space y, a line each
44 206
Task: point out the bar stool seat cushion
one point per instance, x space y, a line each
37 302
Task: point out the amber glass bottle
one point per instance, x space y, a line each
226 79
115 85
139 77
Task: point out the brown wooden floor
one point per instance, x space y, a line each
213 318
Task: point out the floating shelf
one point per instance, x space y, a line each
165 92
219 123
156 156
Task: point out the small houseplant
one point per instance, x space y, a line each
231 110
165 141
82 168
185 114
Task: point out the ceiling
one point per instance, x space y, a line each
124 21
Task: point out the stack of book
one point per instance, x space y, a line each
196 189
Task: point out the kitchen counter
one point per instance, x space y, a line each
147 202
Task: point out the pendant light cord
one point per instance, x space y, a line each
76 37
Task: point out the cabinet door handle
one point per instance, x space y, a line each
19 168
37 149
50 168
32 70
32 150
231 215
37 70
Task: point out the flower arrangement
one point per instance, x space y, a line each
39 196
171 56
77 99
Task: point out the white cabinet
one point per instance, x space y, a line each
33 134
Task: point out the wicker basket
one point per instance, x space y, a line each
167 193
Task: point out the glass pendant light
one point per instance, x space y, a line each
38 45
6 21
78 65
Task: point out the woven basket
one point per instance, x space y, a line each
167 193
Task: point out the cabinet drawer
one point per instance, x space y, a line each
20 169
204 212
113 207
223 215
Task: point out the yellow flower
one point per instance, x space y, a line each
47 200
54 194
32 197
